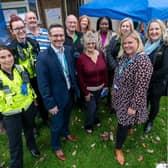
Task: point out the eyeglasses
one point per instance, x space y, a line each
72 22
19 28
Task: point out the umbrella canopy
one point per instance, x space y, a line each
143 10
158 9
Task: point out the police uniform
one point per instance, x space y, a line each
16 97
26 54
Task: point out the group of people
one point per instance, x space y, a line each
46 70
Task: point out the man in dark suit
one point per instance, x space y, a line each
56 81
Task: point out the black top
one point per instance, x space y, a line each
112 51
15 43
77 46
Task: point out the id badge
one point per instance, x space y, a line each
116 87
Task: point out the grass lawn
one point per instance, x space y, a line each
141 151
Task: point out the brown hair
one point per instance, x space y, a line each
54 26
4 47
89 27
14 18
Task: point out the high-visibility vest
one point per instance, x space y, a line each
29 59
12 100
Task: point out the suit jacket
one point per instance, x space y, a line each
51 79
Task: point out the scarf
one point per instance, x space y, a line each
150 47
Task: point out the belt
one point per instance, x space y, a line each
16 111
94 88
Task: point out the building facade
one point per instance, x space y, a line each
48 11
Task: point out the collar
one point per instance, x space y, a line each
56 50
10 76
29 32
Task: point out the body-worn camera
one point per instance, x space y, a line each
25 77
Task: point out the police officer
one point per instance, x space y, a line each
16 97
25 53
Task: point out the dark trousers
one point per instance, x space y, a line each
40 107
14 125
92 110
60 123
1 121
110 79
154 102
1 117
122 132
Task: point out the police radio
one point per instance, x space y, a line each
25 77
21 53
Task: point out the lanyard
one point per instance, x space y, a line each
63 62
125 64
75 38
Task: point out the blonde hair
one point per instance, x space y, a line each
89 27
121 22
162 27
89 37
135 35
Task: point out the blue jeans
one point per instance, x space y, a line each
92 110
60 124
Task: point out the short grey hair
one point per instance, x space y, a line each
89 37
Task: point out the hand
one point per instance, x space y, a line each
53 111
131 111
87 98
104 92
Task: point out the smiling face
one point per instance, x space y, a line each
84 23
57 37
130 46
19 30
90 46
31 20
154 31
89 41
71 23
125 27
6 60
104 25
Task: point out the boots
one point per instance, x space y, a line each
131 131
120 156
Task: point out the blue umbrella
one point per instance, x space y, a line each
143 10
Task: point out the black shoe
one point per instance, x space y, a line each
112 111
35 153
89 129
97 123
148 127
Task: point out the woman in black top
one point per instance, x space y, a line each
156 47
